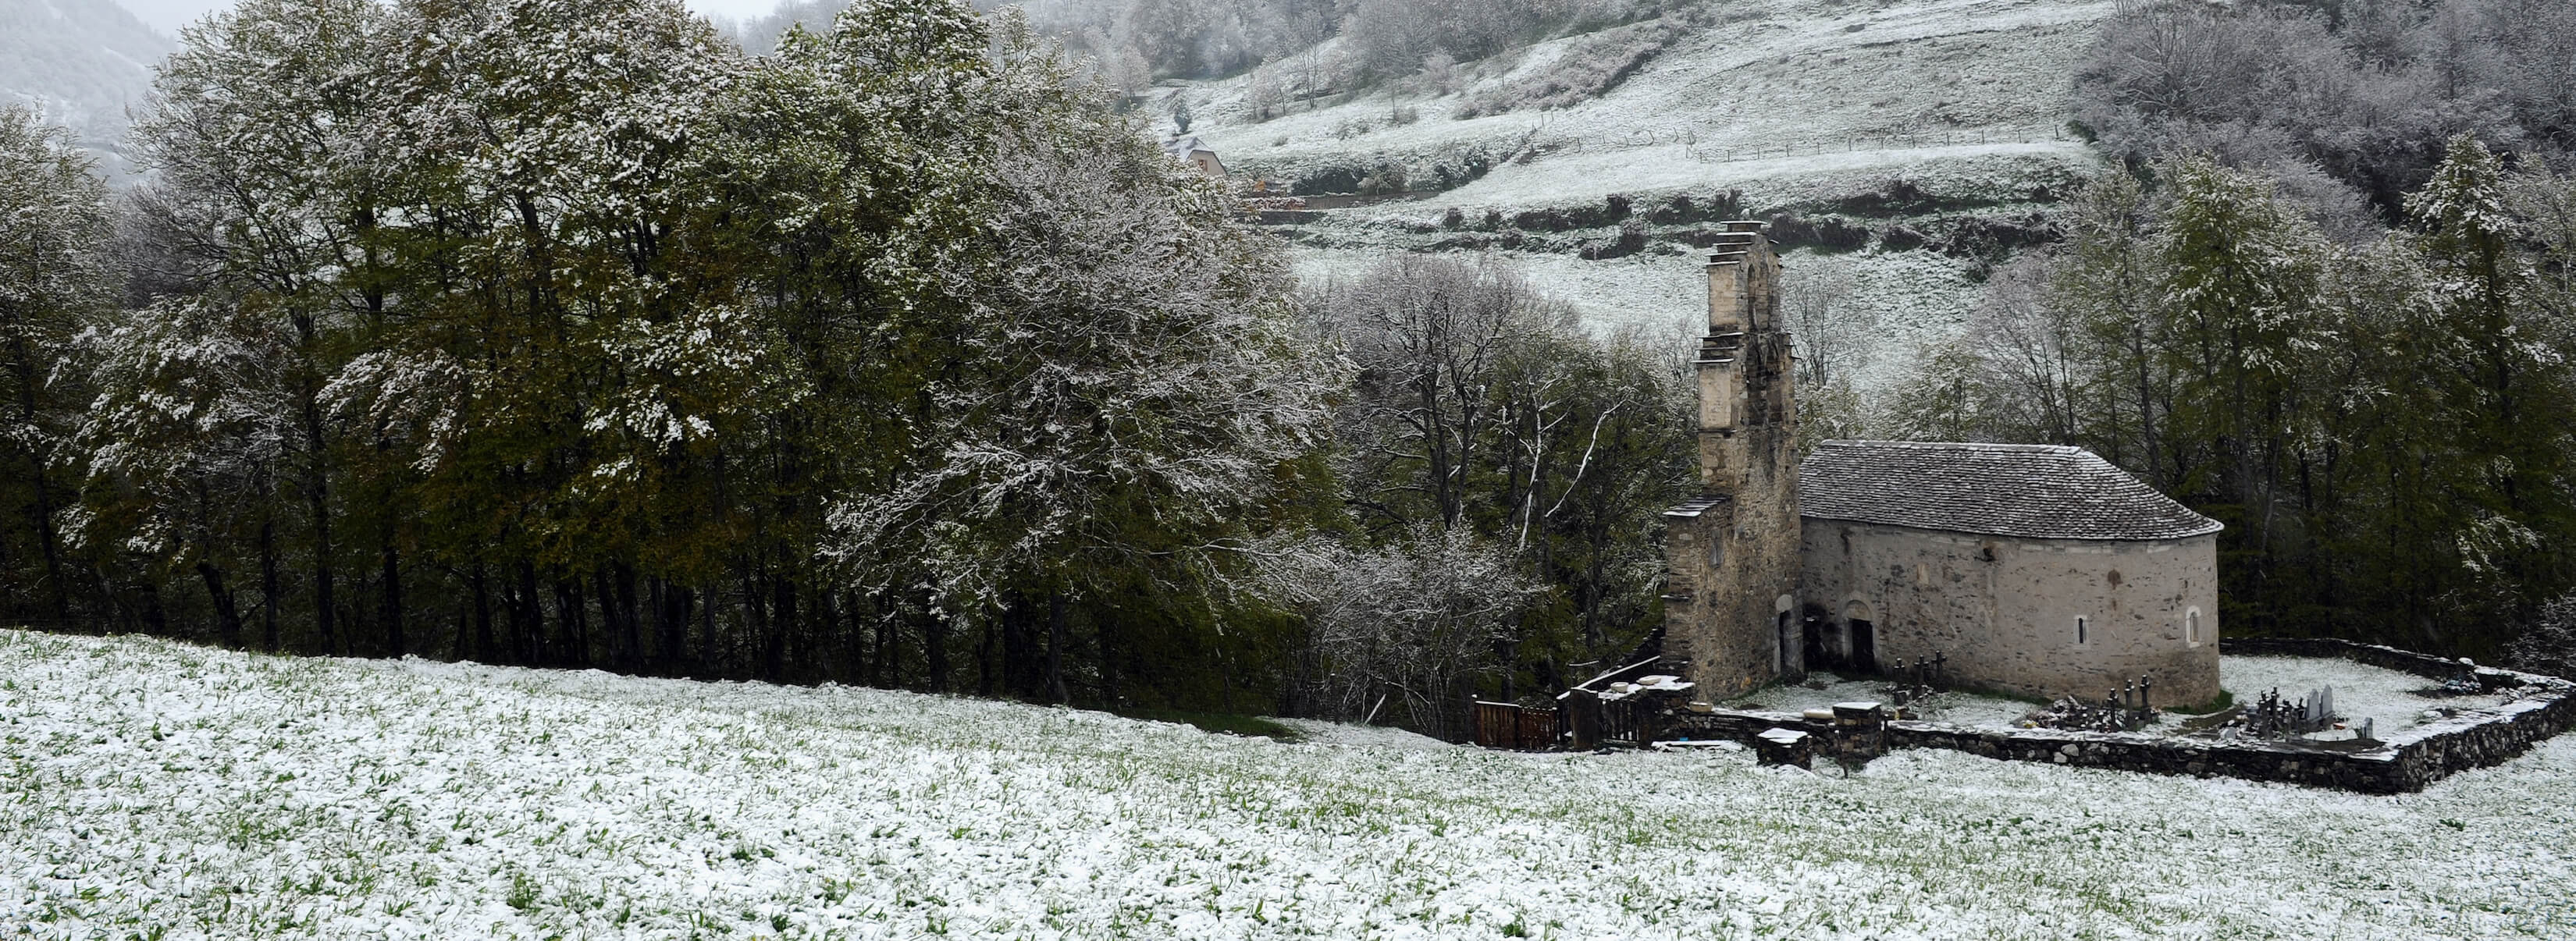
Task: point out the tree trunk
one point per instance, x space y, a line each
854 648
707 629
782 624
268 582
482 587
984 658
393 600
675 632
1022 671
630 626
1056 629
934 642
1100 630
614 630
527 617
227 618
574 610
317 490
881 659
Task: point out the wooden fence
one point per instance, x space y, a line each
1504 725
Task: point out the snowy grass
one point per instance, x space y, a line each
160 790
1955 708
2361 691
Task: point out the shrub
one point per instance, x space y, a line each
2548 643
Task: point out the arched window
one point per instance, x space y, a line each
2191 627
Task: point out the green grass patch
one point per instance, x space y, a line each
2224 700
1219 722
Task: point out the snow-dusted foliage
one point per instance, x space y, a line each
184 442
2384 427
1127 398
1405 629
54 278
2547 643
563 331
1479 407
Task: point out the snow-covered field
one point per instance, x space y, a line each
159 790
1797 105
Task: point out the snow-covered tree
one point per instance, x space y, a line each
259 131
182 445
1117 408
1416 624
54 278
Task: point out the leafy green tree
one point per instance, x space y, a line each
2491 374
55 278
260 134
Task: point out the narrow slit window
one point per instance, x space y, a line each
2081 632
2191 627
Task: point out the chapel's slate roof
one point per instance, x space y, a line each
2030 491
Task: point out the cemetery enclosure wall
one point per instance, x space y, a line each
2477 739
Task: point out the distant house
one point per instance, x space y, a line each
2040 570
1196 153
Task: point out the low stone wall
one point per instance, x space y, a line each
2475 739
2404 661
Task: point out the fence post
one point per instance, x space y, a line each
1583 718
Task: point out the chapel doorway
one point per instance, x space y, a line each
1864 646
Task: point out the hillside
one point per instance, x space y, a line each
1943 121
83 63
178 792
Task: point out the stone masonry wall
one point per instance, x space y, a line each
2477 739
2003 610
1731 556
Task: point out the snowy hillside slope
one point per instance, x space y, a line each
82 63
161 790
1818 108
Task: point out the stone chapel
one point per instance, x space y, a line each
2032 569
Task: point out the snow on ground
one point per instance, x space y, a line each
1955 708
1318 732
1910 299
1967 100
162 790
1849 88
2361 691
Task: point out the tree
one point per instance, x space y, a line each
1478 407
1415 622
2548 643
182 445
1115 410
54 279
2498 380
259 131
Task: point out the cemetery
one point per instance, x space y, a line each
2315 712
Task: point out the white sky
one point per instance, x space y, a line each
168 15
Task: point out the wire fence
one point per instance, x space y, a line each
1710 148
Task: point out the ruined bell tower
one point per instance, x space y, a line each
1731 552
